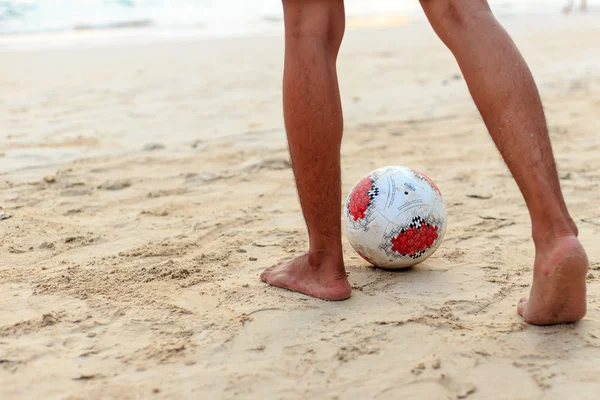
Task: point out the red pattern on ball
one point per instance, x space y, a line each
428 179
360 200
411 241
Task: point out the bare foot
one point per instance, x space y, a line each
558 293
321 281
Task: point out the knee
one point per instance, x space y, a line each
320 22
453 15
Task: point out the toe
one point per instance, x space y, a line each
521 306
269 269
265 274
278 264
268 274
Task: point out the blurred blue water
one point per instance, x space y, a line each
214 16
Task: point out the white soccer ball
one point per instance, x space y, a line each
395 217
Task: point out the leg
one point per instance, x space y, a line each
507 98
583 5
313 120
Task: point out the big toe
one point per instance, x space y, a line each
269 274
265 274
521 306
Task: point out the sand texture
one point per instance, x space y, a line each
153 185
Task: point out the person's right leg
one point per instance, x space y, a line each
313 121
505 94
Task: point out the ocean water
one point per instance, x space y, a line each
212 17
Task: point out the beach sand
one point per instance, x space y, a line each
131 271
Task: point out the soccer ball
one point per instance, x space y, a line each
395 217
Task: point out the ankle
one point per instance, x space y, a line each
325 260
548 231
317 258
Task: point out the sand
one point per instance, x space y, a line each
149 184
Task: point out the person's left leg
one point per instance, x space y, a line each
505 93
